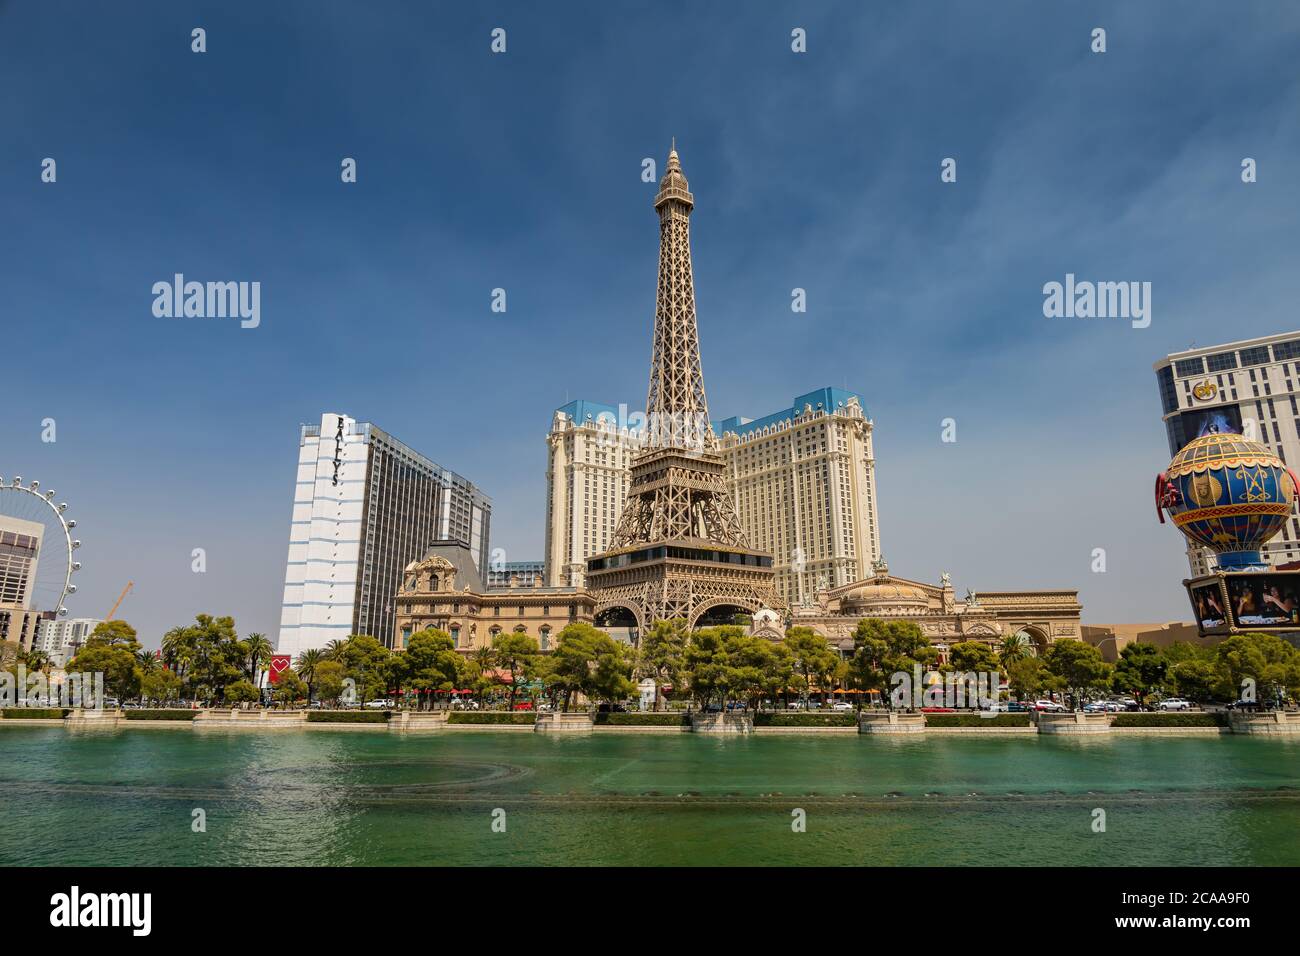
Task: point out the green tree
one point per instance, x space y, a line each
115 634
1078 665
259 651
111 650
1140 670
306 665
663 654
973 656
811 656
430 663
160 685
1028 678
289 688
590 662
241 692
1014 647
884 648
1269 661
365 661
1196 679
513 652
329 681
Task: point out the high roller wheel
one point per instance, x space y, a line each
55 563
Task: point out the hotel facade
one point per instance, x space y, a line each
365 506
802 481
1249 387
20 549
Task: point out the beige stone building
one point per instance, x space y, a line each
802 481
1039 617
444 590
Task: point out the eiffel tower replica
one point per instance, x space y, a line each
679 550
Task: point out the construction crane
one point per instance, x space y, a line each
120 598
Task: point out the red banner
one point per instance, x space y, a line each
279 664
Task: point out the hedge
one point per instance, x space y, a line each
347 716
1170 720
832 719
975 720
161 714
491 717
35 713
643 719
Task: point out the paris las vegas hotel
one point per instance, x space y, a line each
801 482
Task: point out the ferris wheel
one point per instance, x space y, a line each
36 547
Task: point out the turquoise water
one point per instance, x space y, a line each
349 798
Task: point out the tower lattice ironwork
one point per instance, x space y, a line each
679 549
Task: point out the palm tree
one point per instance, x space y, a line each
308 661
35 660
259 651
1014 647
334 649
485 657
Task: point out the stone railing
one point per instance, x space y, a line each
255 719
710 723
890 722
1265 722
555 722
418 720
1075 722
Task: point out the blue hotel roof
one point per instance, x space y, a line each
828 399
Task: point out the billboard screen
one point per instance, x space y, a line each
1209 421
1207 601
1265 599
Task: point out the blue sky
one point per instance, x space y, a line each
522 171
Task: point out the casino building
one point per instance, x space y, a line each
1249 387
1038 618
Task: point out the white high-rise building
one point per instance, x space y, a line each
1248 387
365 506
59 638
803 482
20 551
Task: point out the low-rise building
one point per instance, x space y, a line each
444 590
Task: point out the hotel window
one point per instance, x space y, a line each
1185 367
1286 350
1255 356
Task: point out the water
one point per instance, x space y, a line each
365 798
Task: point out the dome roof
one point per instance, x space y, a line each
1227 493
890 593
1219 450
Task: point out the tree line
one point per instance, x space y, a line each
208 662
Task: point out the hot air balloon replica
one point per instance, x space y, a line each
1231 494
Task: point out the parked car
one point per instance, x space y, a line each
380 704
1174 703
841 705
1049 706
523 705
1016 707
